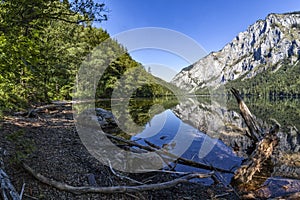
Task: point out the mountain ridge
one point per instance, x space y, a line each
264 45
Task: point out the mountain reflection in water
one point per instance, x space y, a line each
188 129
167 131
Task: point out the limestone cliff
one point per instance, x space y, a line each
263 45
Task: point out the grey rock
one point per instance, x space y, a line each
264 44
105 117
101 116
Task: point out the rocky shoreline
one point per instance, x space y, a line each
48 143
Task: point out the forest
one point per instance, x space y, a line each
43 43
53 53
275 82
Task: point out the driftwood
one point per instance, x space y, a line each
264 146
33 111
254 127
140 187
262 152
8 191
113 189
166 154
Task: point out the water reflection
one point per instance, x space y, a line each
285 110
133 114
167 131
212 133
283 162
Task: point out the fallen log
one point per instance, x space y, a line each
255 161
265 142
114 189
253 126
33 112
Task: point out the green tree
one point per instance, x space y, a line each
42 42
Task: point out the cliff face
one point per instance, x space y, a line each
263 45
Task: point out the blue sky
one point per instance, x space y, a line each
211 23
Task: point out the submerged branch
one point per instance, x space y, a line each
169 155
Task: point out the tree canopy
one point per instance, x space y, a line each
274 82
43 43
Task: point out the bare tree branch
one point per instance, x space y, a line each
254 127
264 148
8 191
113 189
169 155
122 176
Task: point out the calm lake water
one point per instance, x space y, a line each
204 130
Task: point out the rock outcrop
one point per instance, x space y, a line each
263 45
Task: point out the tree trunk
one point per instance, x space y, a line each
265 142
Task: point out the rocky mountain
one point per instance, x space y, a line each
263 46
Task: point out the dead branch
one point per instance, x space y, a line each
30 197
169 155
113 189
22 190
254 127
8 191
32 112
264 148
262 152
122 176
129 142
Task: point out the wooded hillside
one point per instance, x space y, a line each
42 45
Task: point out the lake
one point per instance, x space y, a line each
209 130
